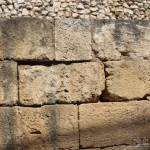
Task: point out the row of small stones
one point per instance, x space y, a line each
101 9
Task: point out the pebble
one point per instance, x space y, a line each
25 12
20 1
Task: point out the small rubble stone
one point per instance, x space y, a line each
20 1
25 12
119 9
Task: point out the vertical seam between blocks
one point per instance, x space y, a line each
79 126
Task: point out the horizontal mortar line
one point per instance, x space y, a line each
75 104
117 146
41 105
42 60
35 106
49 63
123 101
97 147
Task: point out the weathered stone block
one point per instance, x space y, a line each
127 80
115 40
73 40
8 83
130 147
27 39
109 124
91 149
48 127
7 127
74 83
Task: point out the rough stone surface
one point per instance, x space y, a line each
8 83
130 147
74 83
91 149
110 124
122 147
73 39
45 128
26 39
7 126
127 80
115 40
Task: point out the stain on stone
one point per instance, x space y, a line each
44 42
131 26
9 133
12 32
8 76
53 126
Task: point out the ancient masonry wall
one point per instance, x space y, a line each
74 84
100 9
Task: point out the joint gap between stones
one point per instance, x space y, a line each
50 63
115 146
79 125
34 106
105 89
54 40
18 84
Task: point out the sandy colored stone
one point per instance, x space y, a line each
115 40
26 39
73 39
130 147
45 128
111 124
74 83
91 149
127 80
8 83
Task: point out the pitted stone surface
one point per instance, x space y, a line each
27 39
73 39
7 127
45 128
127 80
130 147
74 83
109 124
8 83
115 40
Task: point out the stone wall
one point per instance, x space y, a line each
74 84
101 9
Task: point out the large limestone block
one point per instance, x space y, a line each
110 124
27 39
7 127
8 83
130 147
73 39
45 128
127 80
74 83
115 40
